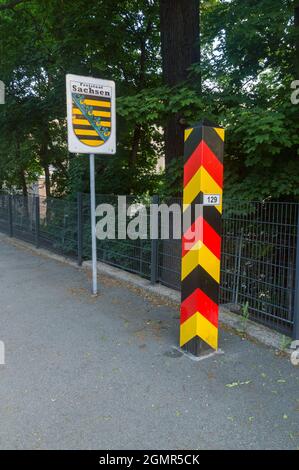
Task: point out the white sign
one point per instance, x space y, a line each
211 199
90 115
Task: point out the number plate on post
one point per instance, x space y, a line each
211 199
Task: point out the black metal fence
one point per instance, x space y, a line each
49 223
259 248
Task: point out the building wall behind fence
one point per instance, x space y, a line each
258 248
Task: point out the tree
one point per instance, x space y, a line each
10 5
42 41
238 75
251 68
296 23
180 47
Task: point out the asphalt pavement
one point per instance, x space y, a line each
103 373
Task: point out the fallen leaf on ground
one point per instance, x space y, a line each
237 384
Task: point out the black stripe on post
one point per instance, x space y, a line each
192 142
200 279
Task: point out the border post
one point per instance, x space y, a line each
201 241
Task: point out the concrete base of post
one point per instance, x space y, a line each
197 347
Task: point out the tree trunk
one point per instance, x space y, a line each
141 83
296 22
25 207
21 172
135 145
47 180
23 183
44 159
179 23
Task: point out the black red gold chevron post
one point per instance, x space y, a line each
201 241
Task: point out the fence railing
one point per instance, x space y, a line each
259 249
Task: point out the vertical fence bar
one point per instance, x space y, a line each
238 272
154 246
37 221
296 299
79 229
10 220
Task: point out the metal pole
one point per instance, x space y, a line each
93 225
154 248
79 229
238 269
296 299
10 219
37 221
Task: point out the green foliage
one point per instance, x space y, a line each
172 180
285 342
242 82
245 315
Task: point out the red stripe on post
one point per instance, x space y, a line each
200 230
198 301
203 156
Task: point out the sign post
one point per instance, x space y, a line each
201 243
91 130
93 225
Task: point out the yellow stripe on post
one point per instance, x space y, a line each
201 181
190 260
187 133
200 326
210 263
201 257
220 132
